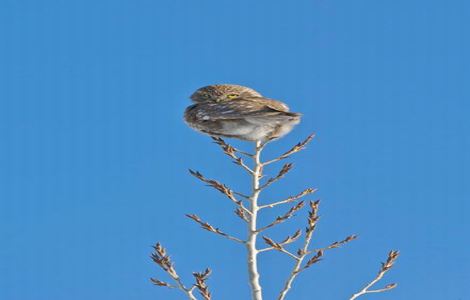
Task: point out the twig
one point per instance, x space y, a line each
160 257
278 247
228 149
231 152
210 228
302 253
242 195
284 170
215 184
221 188
386 266
201 283
337 244
299 147
240 162
289 239
290 199
241 214
319 252
284 217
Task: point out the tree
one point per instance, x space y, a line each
247 209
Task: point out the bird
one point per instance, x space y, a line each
235 111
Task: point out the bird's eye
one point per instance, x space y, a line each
232 96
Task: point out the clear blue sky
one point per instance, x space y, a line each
94 153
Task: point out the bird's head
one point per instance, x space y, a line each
222 92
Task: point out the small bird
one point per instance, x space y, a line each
235 111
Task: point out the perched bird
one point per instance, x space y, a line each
234 111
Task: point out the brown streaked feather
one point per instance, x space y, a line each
271 103
237 109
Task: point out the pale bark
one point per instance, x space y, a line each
256 290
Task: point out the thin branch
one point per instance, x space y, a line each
283 250
228 149
319 252
231 152
386 266
161 258
201 284
292 238
215 184
240 162
290 199
211 228
284 170
337 244
241 214
242 195
302 253
289 239
162 283
284 217
299 147
279 246
221 188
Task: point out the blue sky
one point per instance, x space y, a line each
94 153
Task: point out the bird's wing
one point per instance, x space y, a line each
237 108
271 103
